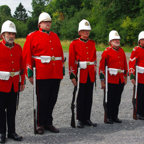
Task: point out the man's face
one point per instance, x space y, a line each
142 42
46 25
84 33
9 37
115 42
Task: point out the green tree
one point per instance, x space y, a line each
20 13
5 10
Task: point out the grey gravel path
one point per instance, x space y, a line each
130 131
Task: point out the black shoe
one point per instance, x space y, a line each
116 120
80 124
15 137
109 121
51 128
2 138
90 123
140 117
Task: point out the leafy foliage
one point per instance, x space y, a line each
125 16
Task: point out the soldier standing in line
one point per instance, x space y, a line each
117 75
43 48
83 49
11 67
137 54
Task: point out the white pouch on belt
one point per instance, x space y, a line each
113 71
83 65
45 59
140 69
4 75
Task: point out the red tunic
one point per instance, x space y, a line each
83 51
115 59
11 60
137 53
39 43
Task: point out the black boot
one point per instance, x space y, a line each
2 138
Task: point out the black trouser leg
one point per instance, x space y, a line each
88 99
7 110
84 101
3 101
11 111
114 98
140 99
52 100
117 99
46 96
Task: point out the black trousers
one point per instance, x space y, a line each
140 99
114 99
47 93
8 111
84 100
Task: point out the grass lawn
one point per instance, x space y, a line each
66 43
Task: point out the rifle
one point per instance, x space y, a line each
135 92
17 102
95 81
105 92
75 93
34 98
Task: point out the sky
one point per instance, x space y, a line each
14 3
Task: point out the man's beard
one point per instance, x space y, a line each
115 44
9 41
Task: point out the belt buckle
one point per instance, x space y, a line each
119 71
88 63
12 74
53 58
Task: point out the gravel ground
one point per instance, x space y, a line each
130 131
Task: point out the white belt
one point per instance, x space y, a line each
6 75
47 59
113 71
140 69
83 65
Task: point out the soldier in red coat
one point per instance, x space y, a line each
137 54
11 68
84 50
117 75
43 47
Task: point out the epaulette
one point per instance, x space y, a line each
108 48
74 40
91 40
32 32
18 44
135 48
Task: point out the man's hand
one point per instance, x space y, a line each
31 80
74 81
133 81
22 87
125 80
102 85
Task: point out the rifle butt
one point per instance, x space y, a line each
35 124
134 114
105 117
73 121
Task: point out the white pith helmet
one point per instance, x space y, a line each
84 25
8 26
44 17
141 35
113 35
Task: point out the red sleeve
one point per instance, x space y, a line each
27 56
102 64
132 62
72 67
